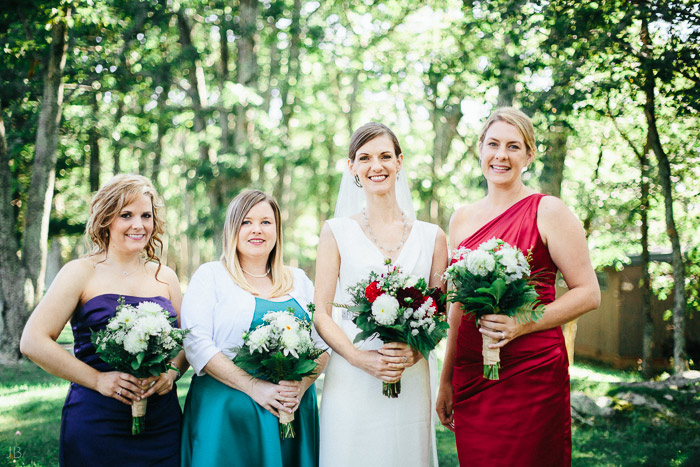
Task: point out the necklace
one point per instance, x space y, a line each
124 273
374 238
259 276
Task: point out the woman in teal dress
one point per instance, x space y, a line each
231 418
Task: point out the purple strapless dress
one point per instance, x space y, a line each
96 430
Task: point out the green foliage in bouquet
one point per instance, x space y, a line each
140 340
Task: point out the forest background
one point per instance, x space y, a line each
210 97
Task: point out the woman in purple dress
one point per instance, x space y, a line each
124 227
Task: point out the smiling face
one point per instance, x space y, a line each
132 227
377 164
503 153
258 233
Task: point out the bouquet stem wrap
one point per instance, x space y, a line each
492 357
138 416
391 390
286 427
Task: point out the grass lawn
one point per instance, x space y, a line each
31 401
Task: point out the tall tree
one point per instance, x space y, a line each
22 276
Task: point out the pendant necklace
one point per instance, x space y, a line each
124 273
374 238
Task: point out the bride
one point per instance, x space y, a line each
359 425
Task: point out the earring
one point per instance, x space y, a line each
357 181
398 175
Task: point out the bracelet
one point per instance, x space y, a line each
173 366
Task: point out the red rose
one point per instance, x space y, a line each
373 291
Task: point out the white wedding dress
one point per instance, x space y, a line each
360 427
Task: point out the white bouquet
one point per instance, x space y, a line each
140 340
280 349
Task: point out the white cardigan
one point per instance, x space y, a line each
217 312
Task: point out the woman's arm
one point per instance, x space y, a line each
444 402
327 271
565 239
45 325
166 381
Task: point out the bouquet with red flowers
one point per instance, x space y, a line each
396 307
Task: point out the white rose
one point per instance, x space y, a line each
480 262
283 321
126 316
489 244
149 307
135 341
150 325
291 342
411 281
522 263
459 254
384 309
257 340
509 259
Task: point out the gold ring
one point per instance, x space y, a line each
405 359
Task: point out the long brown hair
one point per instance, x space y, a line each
109 201
238 208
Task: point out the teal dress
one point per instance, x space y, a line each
225 427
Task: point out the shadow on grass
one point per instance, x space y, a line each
31 402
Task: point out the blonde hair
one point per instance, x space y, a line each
108 202
518 119
238 208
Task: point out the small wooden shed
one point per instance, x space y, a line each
613 332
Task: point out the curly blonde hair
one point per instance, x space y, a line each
109 201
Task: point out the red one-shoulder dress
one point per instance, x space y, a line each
524 417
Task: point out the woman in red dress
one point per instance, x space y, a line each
524 417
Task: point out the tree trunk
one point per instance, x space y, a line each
647 320
21 281
553 168
246 67
197 90
14 302
648 329
223 79
680 362
93 142
44 166
590 211
162 128
285 173
445 121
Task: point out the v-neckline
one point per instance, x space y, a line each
376 248
497 217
